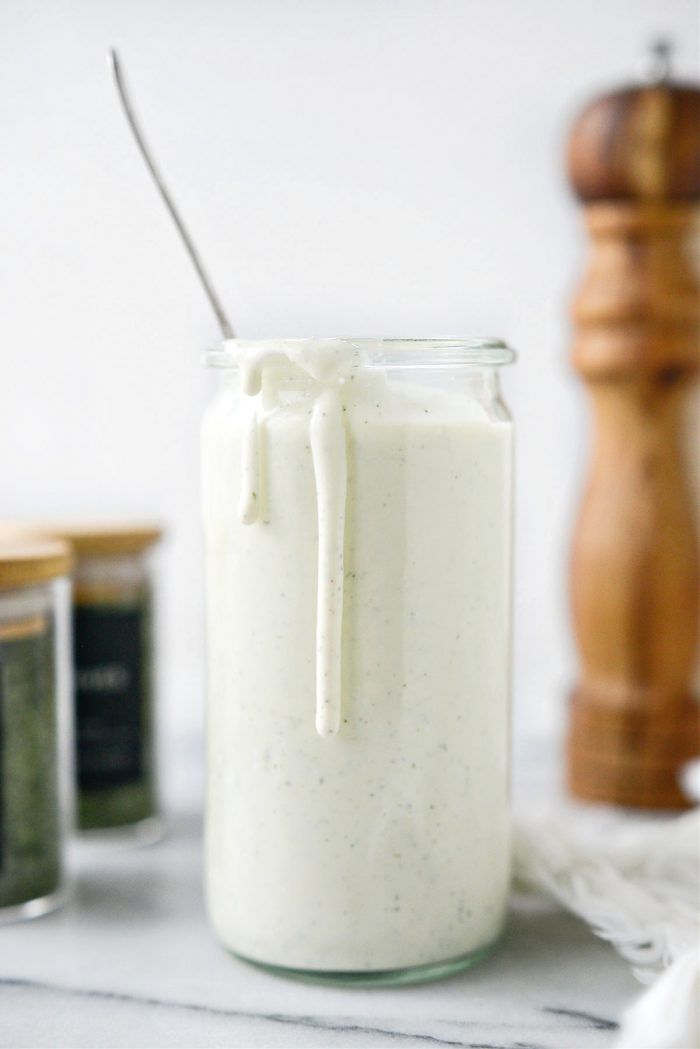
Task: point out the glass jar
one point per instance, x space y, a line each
34 774
358 515
113 597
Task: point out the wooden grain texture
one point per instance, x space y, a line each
635 575
640 142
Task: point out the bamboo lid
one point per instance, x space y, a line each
101 538
25 561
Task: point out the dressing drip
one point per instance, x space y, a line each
327 366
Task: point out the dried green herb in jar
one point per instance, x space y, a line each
31 822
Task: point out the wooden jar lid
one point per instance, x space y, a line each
87 538
24 562
102 539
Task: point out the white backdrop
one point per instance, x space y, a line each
348 167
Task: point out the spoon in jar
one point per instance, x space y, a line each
195 258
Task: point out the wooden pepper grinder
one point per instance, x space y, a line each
634 162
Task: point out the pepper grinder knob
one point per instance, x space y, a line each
640 142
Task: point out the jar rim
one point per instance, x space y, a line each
382 352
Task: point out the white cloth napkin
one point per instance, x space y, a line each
635 880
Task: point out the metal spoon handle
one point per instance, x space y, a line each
130 114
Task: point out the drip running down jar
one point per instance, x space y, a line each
357 511
34 772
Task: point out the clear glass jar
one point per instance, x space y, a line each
34 726
358 516
113 645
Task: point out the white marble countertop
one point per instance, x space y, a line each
130 961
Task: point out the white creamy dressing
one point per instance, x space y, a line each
379 572
328 366
331 475
251 489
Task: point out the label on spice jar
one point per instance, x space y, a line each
110 653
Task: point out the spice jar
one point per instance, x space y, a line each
34 657
357 510
113 597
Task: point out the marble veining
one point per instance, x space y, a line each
599 1022
340 1025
